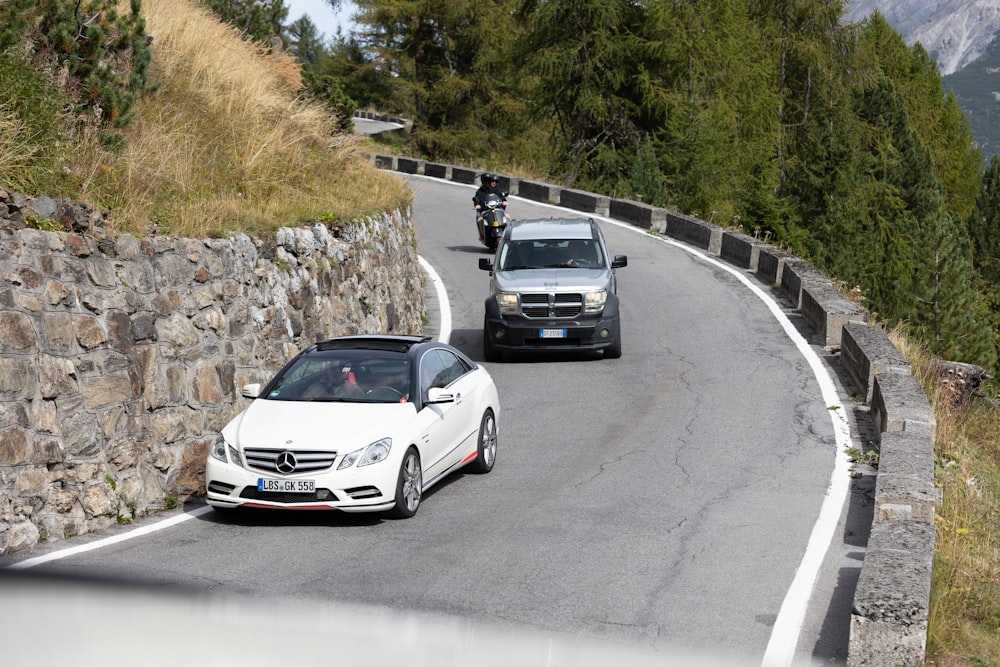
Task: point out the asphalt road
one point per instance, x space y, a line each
665 499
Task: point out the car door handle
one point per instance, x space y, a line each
458 399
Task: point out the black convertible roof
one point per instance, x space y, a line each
371 342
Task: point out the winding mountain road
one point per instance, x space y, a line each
692 494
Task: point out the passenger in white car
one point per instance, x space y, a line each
334 382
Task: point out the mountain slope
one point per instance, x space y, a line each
955 32
977 88
961 35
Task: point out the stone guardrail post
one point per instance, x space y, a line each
892 597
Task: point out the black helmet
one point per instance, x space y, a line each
487 177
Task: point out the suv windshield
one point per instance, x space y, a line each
551 254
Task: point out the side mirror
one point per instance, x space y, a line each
251 390
485 264
619 261
439 395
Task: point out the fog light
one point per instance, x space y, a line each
604 333
499 333
323 494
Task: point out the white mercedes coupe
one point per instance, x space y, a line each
359 424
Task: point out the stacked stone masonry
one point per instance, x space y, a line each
121 359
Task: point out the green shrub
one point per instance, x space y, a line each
105 56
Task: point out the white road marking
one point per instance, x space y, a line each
444 334
107 541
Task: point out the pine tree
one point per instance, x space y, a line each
104 53
712 107
956 161
358 71
584 55
984 226
259 20
799 35
646 180
433 54
947 311
302 39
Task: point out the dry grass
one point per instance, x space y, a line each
964 624
16 150
227 143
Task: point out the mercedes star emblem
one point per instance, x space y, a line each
285 462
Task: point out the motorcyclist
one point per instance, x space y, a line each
488 187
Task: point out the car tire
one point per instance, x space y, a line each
614 351
486 450
409 486
490 353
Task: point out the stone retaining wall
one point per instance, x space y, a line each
120 359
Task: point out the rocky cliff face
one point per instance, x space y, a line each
120 359
954 32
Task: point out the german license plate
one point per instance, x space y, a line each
551 333
286 485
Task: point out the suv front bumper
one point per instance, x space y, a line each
514 333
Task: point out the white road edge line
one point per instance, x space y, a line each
444 334
787 628
107 541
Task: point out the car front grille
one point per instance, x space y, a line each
251 493
552 305
303 461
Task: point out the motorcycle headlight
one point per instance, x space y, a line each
373 453
593 302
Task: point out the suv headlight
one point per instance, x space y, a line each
507 302
593 302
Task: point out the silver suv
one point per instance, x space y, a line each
553 287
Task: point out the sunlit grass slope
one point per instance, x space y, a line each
964 623
225 143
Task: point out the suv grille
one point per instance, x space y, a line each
551 305
278 460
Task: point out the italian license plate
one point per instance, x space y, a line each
551 333
286 485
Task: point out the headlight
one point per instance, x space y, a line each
373 453
593 302
507 303
219 449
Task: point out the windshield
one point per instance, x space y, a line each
356 376
546 254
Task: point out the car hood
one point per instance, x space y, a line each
553 280
314 425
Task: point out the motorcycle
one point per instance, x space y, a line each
492 221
